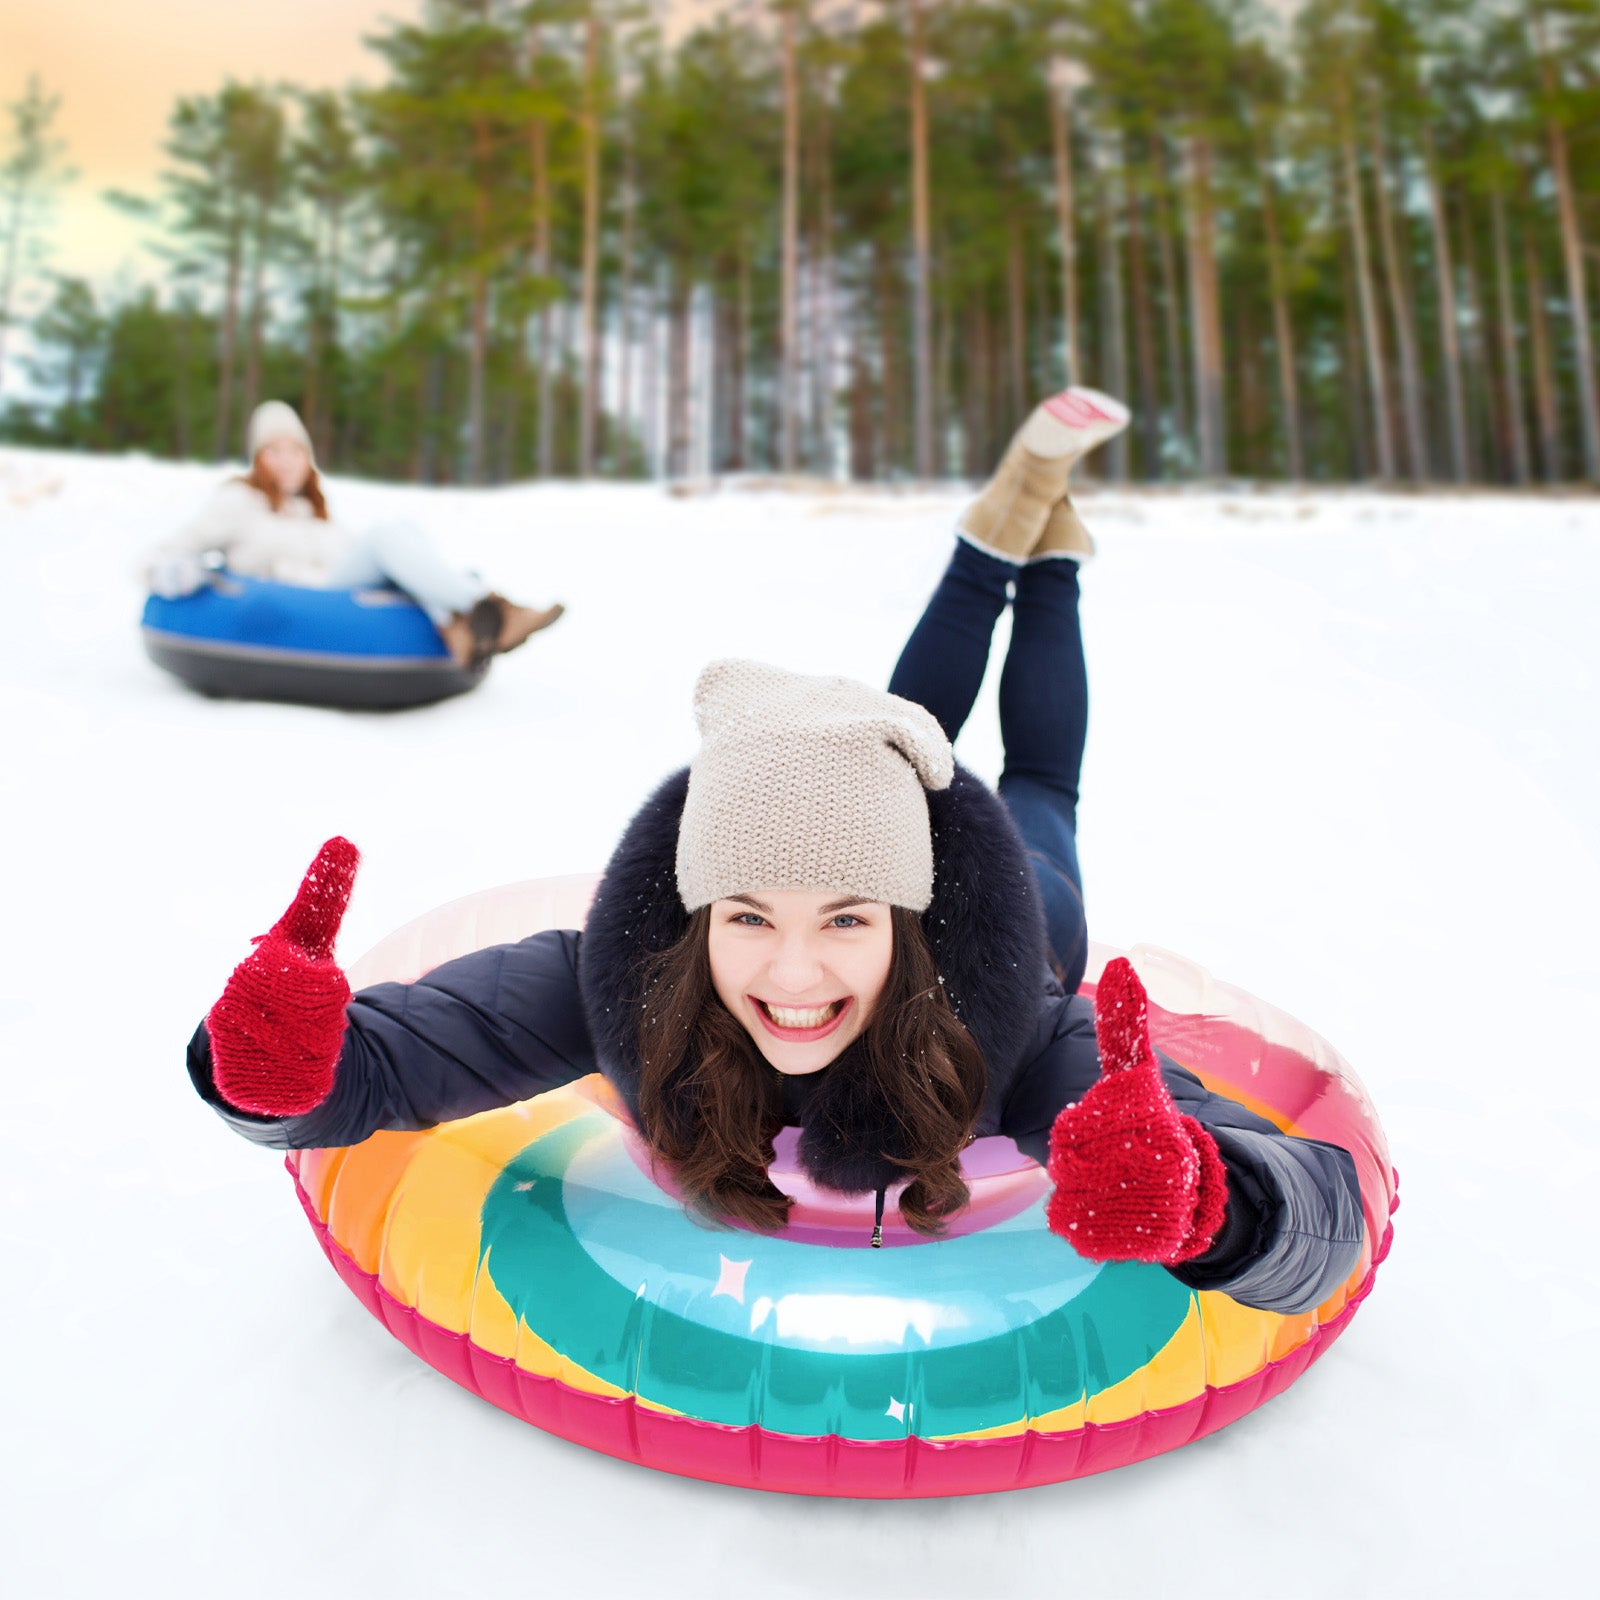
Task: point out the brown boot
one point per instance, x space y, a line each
1064 538
1009 517
518 624
457 636
472 636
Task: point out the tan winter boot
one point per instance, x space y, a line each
472 636
457 636
1064 538
518 624
1009 517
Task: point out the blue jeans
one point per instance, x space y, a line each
402 554
1044 711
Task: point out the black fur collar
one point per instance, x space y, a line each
985 926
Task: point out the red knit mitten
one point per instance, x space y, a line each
277 1030
1135 1180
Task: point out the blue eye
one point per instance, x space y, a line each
749 919
847 919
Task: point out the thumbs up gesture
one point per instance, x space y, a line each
277 1030
1135 1180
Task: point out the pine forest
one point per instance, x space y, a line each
1337 240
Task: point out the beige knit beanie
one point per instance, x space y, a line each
274 419
808 783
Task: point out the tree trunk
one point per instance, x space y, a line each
1478 378
478 336
719 314
1066 233
1572 255
623 456
789 274
1113 364
1144 337
1171 303
921 288
508 424
650 379
863 466
1545 408
1416 430
310 397
723 337
1357 434
324 435
944 384
184 357
428 397
229 340
539 164
258 316
1017 334
741 397
324 331
1371 332
1252 385
548 357
589 332
890 455
678 357
1449 320
1207 312
1282 325
824 343
976 459
1510 362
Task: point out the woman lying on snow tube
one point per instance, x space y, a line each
301 612
824 924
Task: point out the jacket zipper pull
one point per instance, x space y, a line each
877 1222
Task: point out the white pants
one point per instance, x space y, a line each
402 554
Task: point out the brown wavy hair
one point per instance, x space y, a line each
710 1105
311 490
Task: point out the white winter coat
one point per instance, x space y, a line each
288 545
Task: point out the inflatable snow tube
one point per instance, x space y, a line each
359 649
528 1254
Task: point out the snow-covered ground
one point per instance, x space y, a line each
1344 753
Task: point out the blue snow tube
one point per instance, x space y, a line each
247 638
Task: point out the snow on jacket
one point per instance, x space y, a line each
506 1023
289 545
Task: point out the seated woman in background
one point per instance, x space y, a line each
273 523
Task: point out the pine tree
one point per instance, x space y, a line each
447 131
32 168
329 173
67 336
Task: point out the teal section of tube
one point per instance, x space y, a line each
745 1329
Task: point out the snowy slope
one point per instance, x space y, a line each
1343 753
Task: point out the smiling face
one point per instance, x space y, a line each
800 971
287 462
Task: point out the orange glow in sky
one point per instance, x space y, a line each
119 65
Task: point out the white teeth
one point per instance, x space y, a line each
813 1017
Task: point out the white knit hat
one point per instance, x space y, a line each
273 419
808 783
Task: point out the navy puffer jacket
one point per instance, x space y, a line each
506 1023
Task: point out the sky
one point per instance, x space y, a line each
119 65
118 68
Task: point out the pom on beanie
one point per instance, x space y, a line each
809 783
274 419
